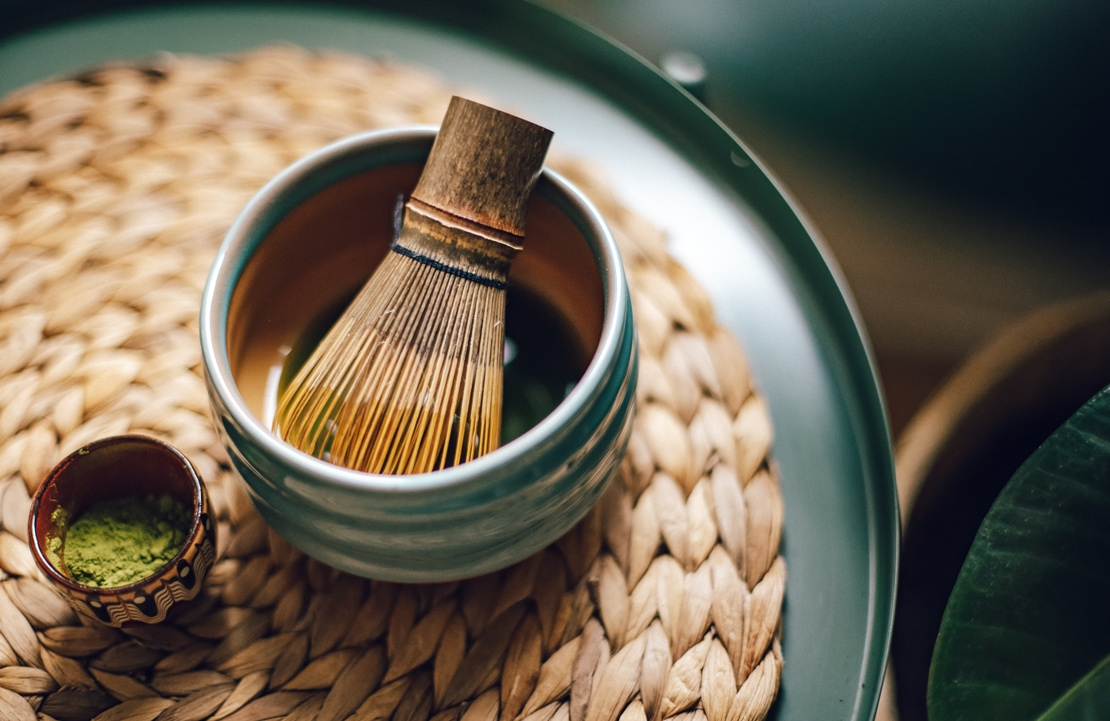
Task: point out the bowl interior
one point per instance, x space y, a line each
324 249
111 468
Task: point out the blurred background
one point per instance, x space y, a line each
953 154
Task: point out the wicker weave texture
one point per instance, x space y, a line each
116 187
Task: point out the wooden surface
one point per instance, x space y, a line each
936 280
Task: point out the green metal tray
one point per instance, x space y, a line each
771 280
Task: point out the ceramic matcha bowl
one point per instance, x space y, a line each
287 267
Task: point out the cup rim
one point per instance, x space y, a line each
262 212
36 542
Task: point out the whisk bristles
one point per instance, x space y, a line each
399 387
409 379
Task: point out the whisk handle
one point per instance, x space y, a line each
483 166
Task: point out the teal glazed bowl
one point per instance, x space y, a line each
298 251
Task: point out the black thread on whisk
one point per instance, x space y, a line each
450 269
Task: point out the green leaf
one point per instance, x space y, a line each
1029 617
1088 700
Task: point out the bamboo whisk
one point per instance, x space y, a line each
408 380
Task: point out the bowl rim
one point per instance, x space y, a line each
263 211
36 542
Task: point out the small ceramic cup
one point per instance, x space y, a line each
115 468
307 241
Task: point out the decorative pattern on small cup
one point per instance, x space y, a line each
121 467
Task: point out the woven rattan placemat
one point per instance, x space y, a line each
116 187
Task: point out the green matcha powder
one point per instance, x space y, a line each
120 541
